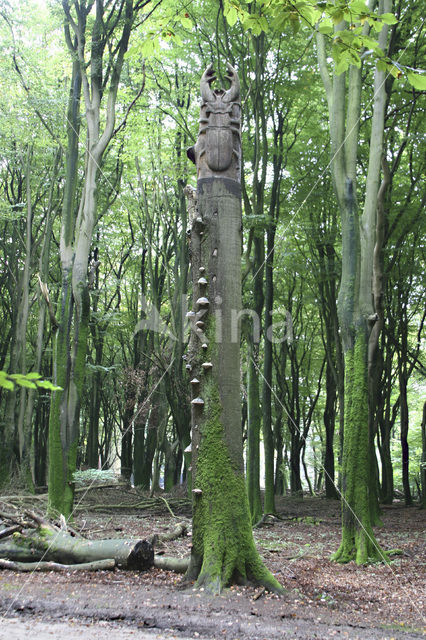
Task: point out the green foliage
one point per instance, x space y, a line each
29 381
347 24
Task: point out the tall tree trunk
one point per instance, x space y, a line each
423 460
268 437
44 303
404 419
254 409
62 443
278 436
16 444
76 234
254 421
355 294
386 421
223 547
329 424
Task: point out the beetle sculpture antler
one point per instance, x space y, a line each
206 79
233 92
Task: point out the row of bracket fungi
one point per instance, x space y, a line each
203 304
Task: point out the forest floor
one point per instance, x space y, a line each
322 599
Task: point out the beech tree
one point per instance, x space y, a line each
98 80
356 310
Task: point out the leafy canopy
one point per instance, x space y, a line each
350 26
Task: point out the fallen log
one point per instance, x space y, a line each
98 565
44 543
35 544
180 530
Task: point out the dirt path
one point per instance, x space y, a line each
322 599
126 608
17 629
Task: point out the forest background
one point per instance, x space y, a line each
95 273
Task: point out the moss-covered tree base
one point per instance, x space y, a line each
359 546
223 551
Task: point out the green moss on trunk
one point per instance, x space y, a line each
65 407
223 541
253 438
358 541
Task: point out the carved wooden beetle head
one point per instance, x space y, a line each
227 96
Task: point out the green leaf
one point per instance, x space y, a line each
31 380
388 18
325 27
45 384
295 25
417 81
342 65
264 23
359 6
337 16
377 25
23 382
186 22
6 384
355 59
309 14
147 48
33 376
367 42
232 16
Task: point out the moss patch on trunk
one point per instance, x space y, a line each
223 540
358 540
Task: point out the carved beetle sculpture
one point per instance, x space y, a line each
217 150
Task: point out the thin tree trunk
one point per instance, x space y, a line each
423 461
329 424
268 438
254 420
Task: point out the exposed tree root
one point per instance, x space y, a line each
214 577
